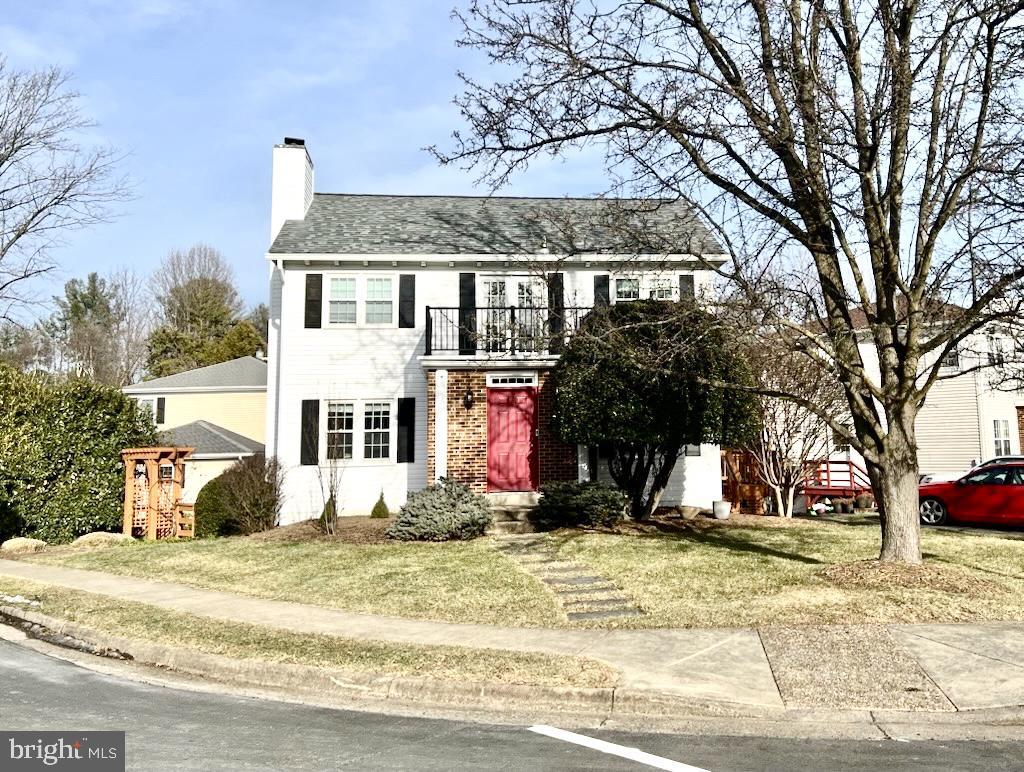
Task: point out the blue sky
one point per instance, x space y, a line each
196 94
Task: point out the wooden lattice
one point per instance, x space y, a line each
154 480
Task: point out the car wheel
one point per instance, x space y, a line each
933 512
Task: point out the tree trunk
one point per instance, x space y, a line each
896 495
788 501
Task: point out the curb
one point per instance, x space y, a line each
323 681
610 705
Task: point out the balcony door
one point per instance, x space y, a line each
504 328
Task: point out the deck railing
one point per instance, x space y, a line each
512 330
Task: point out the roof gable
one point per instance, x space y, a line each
445 225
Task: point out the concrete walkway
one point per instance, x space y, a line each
974 666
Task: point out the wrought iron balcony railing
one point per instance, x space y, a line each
512 330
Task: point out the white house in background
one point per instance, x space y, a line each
966 418
219 410
412 337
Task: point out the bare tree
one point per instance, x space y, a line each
873 152
791 436
49 184
195 289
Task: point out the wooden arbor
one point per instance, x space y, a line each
153 482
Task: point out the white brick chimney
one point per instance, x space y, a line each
291 184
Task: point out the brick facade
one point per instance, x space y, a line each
558 461
467 432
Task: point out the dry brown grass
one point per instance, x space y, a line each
253 642
875 575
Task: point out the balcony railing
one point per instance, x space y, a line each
511 330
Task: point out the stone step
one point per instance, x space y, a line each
575 603
579 616
583 590
573 580
504 527
514 498
510 513
555 568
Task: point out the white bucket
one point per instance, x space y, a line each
722 509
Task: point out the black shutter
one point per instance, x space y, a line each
309 450
406 300
161 407
556 312
602 297
467 313
685 286
406 430
314 300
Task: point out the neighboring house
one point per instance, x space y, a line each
231 394
219 410
966 418
214 450
412 337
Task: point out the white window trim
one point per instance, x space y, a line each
1001 437
359 432
147 403
648 282
360 300
524 379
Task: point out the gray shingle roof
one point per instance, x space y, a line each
339 223
208 438
245 372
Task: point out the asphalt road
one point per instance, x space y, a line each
174 729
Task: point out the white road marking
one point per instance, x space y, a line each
633 754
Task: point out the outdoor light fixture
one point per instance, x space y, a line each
467 399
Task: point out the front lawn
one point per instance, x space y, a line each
763 571
702 573
454 581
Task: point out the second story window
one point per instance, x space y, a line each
379 301
342 308
627 289
952 360
361 300
662 289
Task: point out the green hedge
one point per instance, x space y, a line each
61 439
574 504
213 514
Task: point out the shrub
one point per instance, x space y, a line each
61 473
213 514
380 509
447 510
252 486
329 517
573 504
245 499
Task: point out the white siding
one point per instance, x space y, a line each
365 364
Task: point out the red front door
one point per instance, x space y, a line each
511 448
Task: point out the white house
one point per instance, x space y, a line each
968 416
412 337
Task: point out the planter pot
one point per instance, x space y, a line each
722 509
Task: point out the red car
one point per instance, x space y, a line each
990 494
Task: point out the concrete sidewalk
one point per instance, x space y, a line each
959 667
